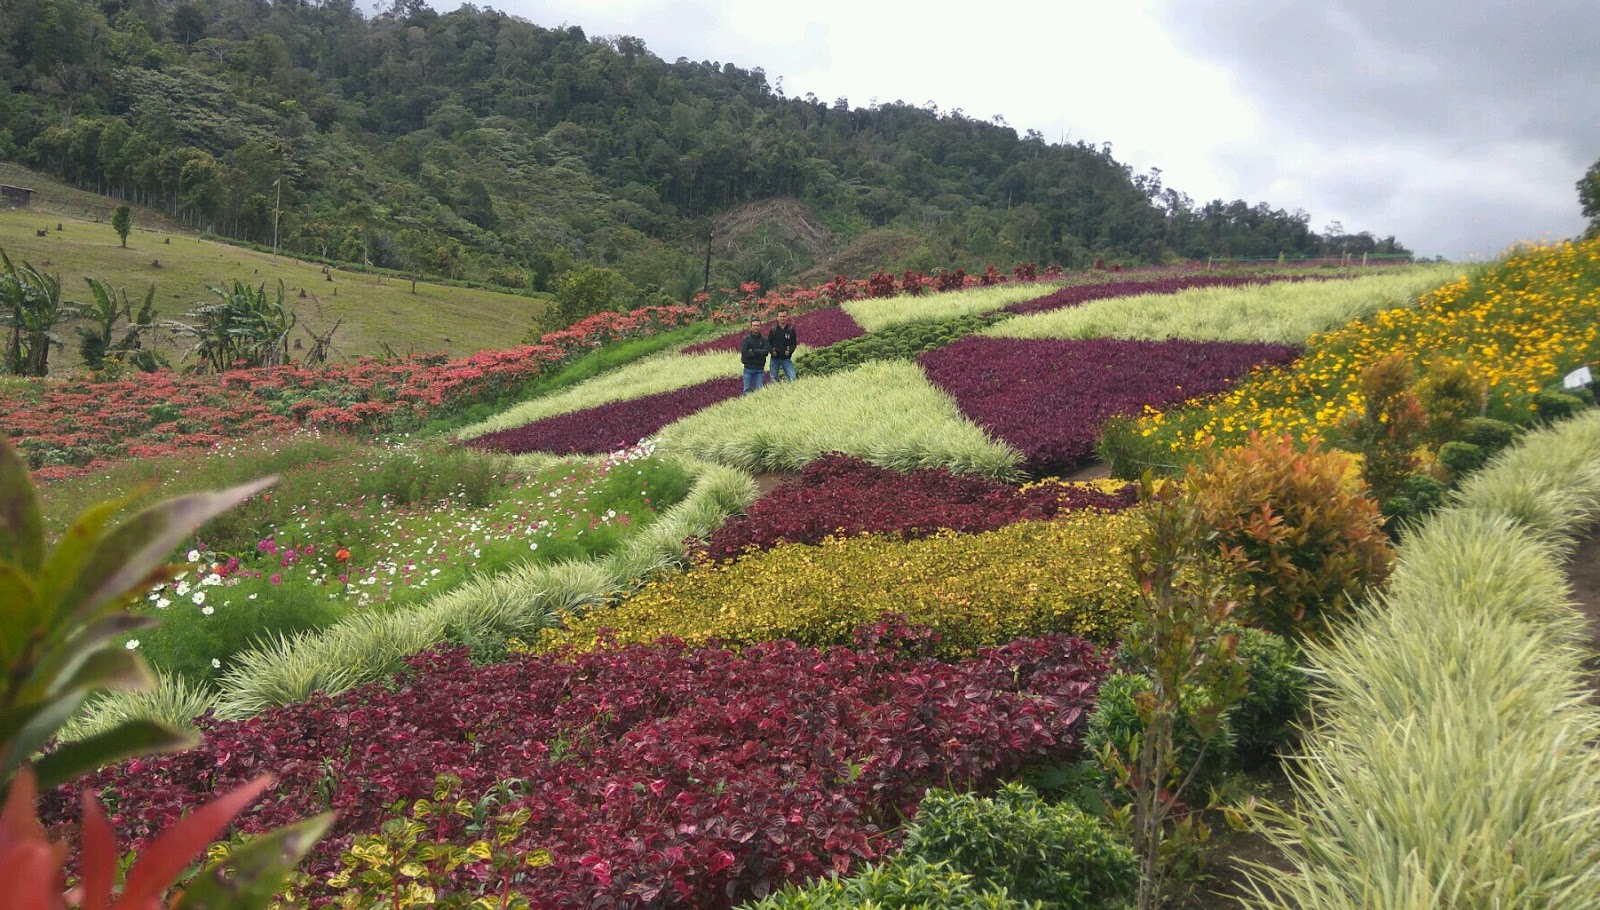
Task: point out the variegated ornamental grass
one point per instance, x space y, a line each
881 312
1287 312
1452 759
884 413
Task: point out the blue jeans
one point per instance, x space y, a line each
786 366
752 380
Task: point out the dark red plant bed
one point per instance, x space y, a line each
1083 293
816 329
838 495
1048 398
655 776
607 428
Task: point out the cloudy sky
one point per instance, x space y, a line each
1459 127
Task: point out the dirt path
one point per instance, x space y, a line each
1584 574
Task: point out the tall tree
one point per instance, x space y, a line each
122 223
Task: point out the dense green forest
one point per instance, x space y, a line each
476 145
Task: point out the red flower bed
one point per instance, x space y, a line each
72 427
1083 293
656 776
1048 398
816 329
838 495
609 427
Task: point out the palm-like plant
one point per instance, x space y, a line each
31 306
243 328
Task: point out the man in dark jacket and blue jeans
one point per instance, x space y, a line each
782 340
753 352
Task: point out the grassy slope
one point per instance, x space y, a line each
376 310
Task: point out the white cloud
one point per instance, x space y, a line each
1457 128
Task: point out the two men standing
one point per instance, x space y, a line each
756 347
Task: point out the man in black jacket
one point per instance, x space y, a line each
753 352
782 340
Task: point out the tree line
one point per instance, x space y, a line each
477 145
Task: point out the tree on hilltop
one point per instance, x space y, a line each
1589 196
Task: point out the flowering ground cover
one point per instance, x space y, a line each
611 426
1071 575
1520 324
1285 310
66 428
841 496
816 329
349 553
1048 398
650 776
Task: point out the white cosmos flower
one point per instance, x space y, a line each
211 581
216 664
208 610
182 589
192 556
132 644
162 603
199 598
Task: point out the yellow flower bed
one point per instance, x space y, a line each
1521 323
1069 575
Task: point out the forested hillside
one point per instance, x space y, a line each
476 145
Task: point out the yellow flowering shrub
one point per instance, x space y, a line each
1519 324
1071 574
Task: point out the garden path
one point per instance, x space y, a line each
1584 574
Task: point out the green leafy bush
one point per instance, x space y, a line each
1487 433
1451 392
900 342
1550 405
1459 457
1301 541
1415 497
1277 692
1116 722
1035 850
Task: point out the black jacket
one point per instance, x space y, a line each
782 341
753 352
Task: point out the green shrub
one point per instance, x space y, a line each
199 647
1462 457
900 342
909 885
1451 392
1035 850
1300 540
1550 405
1277 692
1487 433
1116 722
1415 497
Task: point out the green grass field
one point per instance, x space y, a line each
376 310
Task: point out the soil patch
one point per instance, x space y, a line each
1583 572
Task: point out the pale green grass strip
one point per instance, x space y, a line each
173 701
881 312
1284 312
370 645
663 372
885 412
1451 761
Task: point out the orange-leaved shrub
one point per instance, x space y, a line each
1299 537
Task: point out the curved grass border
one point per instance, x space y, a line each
370 645
1451 759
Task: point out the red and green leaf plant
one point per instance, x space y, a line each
1302 539
1388 430
66 608
1182 643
